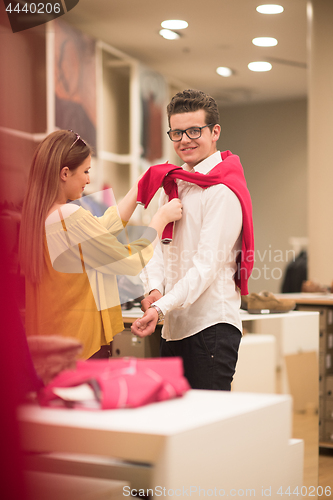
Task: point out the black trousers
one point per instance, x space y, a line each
209 357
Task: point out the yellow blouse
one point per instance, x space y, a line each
78 294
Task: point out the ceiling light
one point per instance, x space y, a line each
174 24
259 66
270 9
224 71
169 35
264 41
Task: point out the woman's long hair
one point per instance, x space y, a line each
58 150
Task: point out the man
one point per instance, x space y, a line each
191 281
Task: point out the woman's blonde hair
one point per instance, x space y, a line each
60 149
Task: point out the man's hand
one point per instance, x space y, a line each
146 325
150 299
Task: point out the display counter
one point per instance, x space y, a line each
204 441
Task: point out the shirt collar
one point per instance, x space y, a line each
207 164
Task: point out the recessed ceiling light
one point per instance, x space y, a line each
224 71
270 9
264 41
174 24
168 34
259 66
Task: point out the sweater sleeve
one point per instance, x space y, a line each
153 276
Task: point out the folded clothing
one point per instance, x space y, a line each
51 354
116 383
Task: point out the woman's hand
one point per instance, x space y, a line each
171 211
167 213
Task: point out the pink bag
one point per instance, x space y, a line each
116 383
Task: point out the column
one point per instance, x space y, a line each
320 140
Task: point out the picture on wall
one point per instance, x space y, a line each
153 98
75 82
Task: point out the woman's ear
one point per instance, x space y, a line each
64 174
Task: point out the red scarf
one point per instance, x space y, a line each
230 173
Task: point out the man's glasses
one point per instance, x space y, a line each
192 133
78 138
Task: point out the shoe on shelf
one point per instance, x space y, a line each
313 287
265 303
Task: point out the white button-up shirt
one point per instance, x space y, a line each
195 271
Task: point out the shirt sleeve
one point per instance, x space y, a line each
152 275
111 220
87 244
221 228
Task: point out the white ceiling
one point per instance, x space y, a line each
220 33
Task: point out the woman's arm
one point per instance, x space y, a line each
87 239
128 204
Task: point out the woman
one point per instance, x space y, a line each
71 258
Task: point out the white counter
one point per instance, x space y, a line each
207 440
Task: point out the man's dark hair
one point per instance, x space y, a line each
193 100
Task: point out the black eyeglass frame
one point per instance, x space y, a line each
78 138
185 131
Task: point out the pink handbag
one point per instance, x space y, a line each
116 383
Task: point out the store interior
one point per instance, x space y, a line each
107 64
